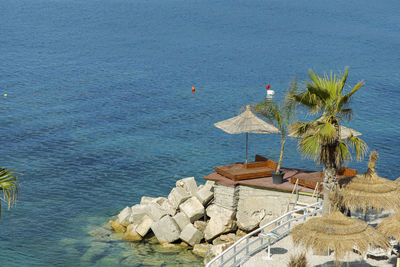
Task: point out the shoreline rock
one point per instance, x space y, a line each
187 218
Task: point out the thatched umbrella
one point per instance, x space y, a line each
338 232
246 122
390 226
344 131
368 190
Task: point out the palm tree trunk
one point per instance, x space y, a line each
278 168
330 175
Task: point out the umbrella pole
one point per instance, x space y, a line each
247 139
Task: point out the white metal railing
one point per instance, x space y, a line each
247 245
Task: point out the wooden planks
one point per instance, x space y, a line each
238 172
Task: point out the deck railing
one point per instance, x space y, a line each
259 239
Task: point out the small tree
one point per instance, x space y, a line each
280 115
8 186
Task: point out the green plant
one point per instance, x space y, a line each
9 187
281 115
321 139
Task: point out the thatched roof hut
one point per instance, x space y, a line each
368 190
390 226
338 232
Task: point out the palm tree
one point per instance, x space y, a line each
280 115
8 186
321 139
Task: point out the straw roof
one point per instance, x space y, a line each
390 226
344 131
368 190
246 122
338 232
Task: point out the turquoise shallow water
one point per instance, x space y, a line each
100 112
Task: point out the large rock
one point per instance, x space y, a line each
154 211
188 184
215 250
116 226
138 212
200 249
146 200
210 183
248 221
181 220
193 209
200 225
131 234
228 238
252 209
166 230
124 217
143 227
168 207
178 196
204 195
221 222
214 210
191 235
165 205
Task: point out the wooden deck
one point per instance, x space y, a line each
266 181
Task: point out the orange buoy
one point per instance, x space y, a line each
193 90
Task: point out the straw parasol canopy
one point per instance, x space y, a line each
368 190
390 226
344 131
246 122
338 232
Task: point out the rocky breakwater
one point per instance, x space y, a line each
187 217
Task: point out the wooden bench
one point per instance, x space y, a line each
311 179
243 171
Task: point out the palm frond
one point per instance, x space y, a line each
346 98
343 80
9 186
358 145
326 131
344 152
310 145
345 114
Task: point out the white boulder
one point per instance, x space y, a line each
138 212
191 235
204 195
181 220
177 196
220 223
200 225
200 249
146 200
143 227
249 221
193 209
168 207
215 250
124 217
154 211
166 230
188 184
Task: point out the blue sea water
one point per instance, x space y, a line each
100 111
